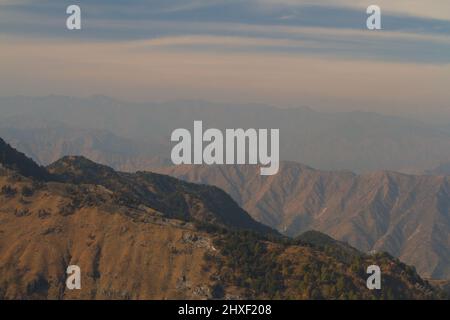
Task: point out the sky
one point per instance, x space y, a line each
282 52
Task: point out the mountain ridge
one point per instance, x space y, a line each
406 215
12 159
164 193
112 226
357 141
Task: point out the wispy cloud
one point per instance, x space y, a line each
433 9
341 43
130 70
317 51
285 26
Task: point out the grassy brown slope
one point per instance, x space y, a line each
148 236
137 253
270 269
405 215
173 197
122 252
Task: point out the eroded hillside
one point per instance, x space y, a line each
128 235
405 215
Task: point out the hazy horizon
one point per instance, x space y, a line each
427 118
282 53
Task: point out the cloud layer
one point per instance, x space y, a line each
277 51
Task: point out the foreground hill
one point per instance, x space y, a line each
132 241
12 159
176 198
405 215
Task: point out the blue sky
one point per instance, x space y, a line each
415 36
238 42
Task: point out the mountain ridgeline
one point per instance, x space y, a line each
175 198
405 215
128 136
12 159
150 236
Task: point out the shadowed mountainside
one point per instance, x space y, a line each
12 159
405 215
132 241
166 194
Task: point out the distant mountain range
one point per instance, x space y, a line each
151 236
128 136
50 142
442 169
405 215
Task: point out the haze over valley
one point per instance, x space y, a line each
136 136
